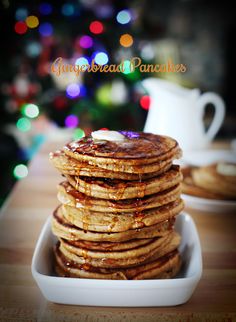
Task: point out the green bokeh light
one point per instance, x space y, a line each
126 68
20 171
78 134
30 110
23 124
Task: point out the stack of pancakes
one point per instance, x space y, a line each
118 207
213 181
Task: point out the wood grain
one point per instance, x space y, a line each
32 201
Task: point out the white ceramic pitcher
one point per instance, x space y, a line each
178 112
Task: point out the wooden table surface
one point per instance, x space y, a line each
32 201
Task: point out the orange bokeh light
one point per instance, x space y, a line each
126 40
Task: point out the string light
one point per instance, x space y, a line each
60 102
71 121
20 27
96 27
126 68
45 29
145 102
32 22
78 134
86 41
126 40
45 8
31 110
68 9
73 90
82 61
33 49
101 58
123 17
21 14
20 171
23 124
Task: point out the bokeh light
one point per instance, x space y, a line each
23 124
21 14
82 61
126 40
68 9
73 90
86 41
31 110
96 27
71 121
145 102
20 171
20 27
60 102
103 95
32 21
123 17
45 29
45 8
33 49
104 10
83 90
101 58
78 134
126 67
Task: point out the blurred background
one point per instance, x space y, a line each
37 105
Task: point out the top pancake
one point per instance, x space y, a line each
135 146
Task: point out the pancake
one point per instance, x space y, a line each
113 222
64 229
109 246
115 259
166 266
69 196
205 182
73 167
138 153
209 179
122 189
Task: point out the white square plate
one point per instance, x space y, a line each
96 292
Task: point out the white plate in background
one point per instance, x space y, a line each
131 293
209 205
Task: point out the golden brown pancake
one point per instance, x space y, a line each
64 229
73 167
166 266
113 222
69 196
138 153
121 258
122 189
205 182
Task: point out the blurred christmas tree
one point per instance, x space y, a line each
37 33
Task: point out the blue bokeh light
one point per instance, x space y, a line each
68 9
45 29
45 8
123 17
101 58
82 61
21 14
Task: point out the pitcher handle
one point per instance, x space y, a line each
219 105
